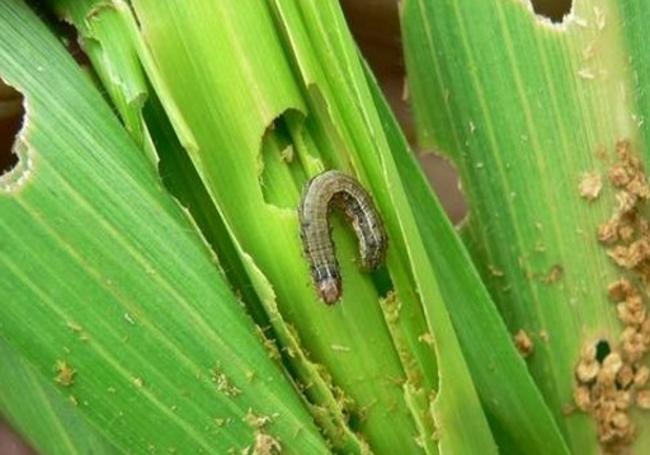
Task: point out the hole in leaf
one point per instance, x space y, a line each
70 39
282 174
63 29
602 350
555 10
381 279
11 120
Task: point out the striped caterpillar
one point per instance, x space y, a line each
334 189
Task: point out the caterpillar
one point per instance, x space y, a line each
334 189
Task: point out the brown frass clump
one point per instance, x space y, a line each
604 392
223 383
590 186
65 374
611 379
523 343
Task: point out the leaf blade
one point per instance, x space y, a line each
79 214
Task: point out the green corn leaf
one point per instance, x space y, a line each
222 111
518 415
106 39
107 287
158 331
38 410
528 110
337 132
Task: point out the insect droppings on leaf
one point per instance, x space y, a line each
524 343
590 186
610 384
65 374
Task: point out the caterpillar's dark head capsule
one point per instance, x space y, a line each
329 290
